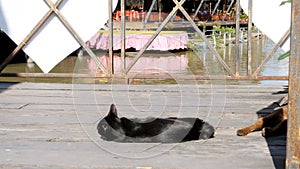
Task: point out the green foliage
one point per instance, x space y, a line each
223 29
284 2
288 53
243 16
285 55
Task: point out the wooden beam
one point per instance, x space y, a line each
293 139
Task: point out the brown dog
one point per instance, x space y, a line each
271 125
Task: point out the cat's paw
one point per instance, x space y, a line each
207 131
241 132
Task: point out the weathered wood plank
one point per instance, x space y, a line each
54 126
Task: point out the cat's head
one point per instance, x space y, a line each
110 126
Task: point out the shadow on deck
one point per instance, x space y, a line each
276 144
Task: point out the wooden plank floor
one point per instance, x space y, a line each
53 126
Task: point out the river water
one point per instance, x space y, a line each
198 61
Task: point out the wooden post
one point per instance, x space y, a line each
293 141
249 61
237 39
123 35
111 37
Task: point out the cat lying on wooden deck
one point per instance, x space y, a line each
164 130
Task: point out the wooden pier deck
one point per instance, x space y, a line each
53 126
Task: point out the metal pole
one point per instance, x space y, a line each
217 4
29 36
211 48
171 14
159 29
123 35
249 42
237 39
293 136
149 13
229 7
111 32
277 46
139 76
198 9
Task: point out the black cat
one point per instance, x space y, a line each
168 130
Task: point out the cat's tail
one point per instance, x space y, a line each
207 131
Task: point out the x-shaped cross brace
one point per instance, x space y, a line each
53 9
164 23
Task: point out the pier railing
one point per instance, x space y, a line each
109 72
293 148
232 74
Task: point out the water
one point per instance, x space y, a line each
275 67
199 61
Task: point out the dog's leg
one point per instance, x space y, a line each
270 121
258 125
284 101
280 129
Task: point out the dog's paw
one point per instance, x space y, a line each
263 132
267 131
241 132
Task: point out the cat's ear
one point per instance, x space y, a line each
113 110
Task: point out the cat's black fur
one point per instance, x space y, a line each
165 130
